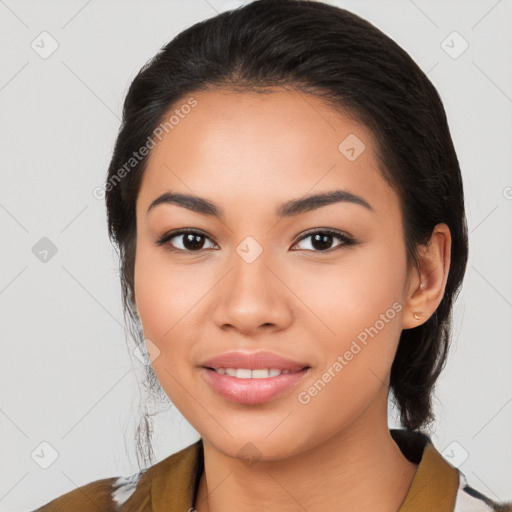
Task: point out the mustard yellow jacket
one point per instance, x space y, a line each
171 485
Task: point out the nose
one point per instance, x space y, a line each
253 297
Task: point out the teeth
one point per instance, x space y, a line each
246 373
261 374
242 373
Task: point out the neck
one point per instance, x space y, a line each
359 468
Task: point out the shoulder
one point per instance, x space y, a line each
470 500
93 496
439 485
165 479
107 495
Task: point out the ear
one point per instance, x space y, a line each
428 281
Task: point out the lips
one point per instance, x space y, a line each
254 361
252 378
247 373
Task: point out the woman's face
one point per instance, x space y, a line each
254 281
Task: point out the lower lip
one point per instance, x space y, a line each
252 391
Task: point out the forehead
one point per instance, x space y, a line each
275 145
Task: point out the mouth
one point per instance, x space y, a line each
253 386
259 373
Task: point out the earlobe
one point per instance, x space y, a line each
432 274
418 315
414 313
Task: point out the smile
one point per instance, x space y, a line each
252 387
246 373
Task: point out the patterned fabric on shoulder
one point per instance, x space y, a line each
124 487
471 500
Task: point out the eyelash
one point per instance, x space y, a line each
346 240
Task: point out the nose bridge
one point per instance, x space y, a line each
251 273
251 295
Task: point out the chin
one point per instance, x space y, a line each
257 445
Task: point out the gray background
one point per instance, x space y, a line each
67 378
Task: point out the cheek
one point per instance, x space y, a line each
358 306
160 314
160 307
350 294
355 368
165 293
168 299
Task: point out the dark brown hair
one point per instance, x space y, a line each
323 50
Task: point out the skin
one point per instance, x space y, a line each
250 153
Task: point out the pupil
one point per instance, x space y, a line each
322 240
191 241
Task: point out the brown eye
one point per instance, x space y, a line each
186 241
322 240
190 240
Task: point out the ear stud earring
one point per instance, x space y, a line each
418 314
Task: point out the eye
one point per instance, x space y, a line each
321 240
191 240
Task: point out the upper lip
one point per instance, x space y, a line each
253 361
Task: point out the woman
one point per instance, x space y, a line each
289 212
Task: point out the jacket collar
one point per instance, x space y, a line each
434 488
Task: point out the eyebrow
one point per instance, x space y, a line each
288 209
